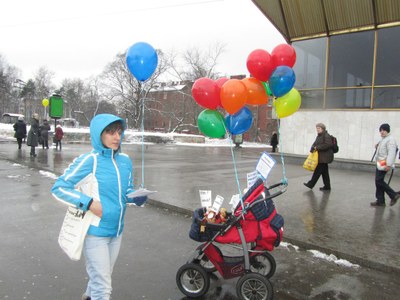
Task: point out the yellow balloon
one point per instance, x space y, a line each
288 104
45 102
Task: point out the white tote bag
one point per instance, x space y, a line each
76 221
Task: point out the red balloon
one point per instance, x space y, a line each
260 65
206 93
256 91
220 81
284 55
233 95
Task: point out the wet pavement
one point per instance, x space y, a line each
156 242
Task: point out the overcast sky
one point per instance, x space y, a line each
78 38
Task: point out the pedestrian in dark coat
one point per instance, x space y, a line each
274 141
20 130
33 134
44 134
322 144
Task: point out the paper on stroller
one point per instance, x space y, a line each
251 178
217 203
234 201
205 198
265 165
141 192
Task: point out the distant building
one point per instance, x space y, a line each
171 107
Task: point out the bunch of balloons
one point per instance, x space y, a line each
142 60
272 75
275 70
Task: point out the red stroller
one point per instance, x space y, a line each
256 228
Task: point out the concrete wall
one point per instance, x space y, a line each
357 131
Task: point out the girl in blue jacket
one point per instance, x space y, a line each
113 180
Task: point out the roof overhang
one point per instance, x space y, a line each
305 19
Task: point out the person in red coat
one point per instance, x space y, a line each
58 135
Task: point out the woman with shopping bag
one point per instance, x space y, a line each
104 177
323 146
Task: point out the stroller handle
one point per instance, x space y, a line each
271 196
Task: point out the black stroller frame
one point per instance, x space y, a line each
254 267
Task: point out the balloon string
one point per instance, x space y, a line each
284 179
142 129
235 168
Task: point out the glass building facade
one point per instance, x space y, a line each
359 70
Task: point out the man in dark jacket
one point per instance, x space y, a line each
322 144
33 135
20 131
44 134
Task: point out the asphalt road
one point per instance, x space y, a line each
155 245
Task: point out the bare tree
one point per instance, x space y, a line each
9 94
123 89
196 63
43 87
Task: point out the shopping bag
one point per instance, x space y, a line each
311 162
73 231
76 221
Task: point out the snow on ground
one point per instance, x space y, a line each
7 131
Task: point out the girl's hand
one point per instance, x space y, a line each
96 208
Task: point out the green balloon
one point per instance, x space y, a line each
211 123
267 88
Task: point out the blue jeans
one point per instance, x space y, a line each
100 254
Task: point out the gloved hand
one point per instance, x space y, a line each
138 201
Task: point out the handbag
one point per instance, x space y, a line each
311 162
77 222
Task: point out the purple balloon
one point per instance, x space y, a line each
240 122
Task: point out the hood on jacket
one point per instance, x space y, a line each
98 124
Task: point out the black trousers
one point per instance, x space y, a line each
321 169
382 187
19 141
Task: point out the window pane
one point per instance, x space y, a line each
387 58
387 98
312 99
349 98
310 63
351 59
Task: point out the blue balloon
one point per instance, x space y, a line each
142 60
240 122
282 81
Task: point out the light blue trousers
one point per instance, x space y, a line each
100 254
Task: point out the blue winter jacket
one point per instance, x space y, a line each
113 180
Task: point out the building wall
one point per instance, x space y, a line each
357 131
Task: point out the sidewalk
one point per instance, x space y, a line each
340 222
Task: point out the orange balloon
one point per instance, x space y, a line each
233 95
256 91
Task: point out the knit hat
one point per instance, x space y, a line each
321 125
385 127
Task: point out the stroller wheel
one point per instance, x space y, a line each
192 280
207 264
264 264
253 286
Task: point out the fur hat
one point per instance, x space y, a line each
321 125
385 127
